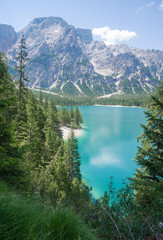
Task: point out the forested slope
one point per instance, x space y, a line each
44 172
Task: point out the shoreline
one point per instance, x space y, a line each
101 105
66 132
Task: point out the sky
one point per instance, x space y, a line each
138 23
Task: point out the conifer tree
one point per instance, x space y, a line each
148 179
71 113
77 117
72 157
55 182
22 60
64 117
21 118
41 99
45 104
52 131
9 152
60 173
36 135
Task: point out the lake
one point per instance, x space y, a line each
108 144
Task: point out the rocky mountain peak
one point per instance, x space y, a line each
7 37
46 21
66 60
44 24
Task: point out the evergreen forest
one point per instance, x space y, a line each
42 192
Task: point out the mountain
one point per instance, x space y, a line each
66 60
7 37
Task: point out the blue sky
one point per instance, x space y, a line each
138 23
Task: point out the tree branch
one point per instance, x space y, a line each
120 236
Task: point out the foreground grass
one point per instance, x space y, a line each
24 219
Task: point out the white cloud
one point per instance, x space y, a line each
110 36
150 4
105 158
139 9
161 6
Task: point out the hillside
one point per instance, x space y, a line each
42 192
27 218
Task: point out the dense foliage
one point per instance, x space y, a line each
148 179
9 151
33 156
35 160
31 220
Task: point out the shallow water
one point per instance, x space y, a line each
108 144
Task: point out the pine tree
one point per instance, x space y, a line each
148 179
60 173
21 118
36 135
22 60
9 152
55 182
41 99
64 117
45 105
71 114
52 132
72 157
77 117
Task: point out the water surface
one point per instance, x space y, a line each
109 144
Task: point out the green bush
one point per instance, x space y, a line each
22 218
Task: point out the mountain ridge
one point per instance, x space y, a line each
66 60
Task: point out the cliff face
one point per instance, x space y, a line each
134 70
66 60
7 37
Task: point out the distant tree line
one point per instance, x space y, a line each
123 100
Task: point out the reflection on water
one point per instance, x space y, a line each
109 144
106 158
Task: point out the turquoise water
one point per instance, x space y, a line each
109 144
